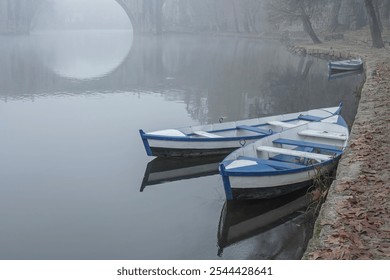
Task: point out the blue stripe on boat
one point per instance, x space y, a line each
226 182
255 129
146 143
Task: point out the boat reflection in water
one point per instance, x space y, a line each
280 227
162 170
334 74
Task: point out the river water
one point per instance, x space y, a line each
75 181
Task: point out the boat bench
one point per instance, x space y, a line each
282 124
206 134
309 118
323 134
255 129
275 164
315 156
284 141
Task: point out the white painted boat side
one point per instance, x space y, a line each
250 182
196 145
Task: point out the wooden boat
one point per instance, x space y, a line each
241 220
163 170
346 65
285 161
223 138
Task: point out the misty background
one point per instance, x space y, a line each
79 78
81 15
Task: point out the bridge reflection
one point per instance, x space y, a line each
214 77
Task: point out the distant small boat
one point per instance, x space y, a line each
223 138
285 161
346 65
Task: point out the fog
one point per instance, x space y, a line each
81 14
77 84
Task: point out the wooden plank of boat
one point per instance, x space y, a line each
168 133
284 141
283 124
315 156
323 134
206 134
255 129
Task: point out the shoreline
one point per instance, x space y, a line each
354 220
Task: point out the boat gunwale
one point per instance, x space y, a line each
227 172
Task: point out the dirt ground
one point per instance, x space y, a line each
354 221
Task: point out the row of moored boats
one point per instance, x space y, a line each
265 157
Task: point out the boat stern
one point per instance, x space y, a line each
146 143
226 182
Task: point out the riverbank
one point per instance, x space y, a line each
354 221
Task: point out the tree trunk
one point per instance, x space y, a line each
236 24
386 12
307 25
376 35
159 16
387 9
378 15
334 22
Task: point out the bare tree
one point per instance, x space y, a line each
293 10
334 21
376 34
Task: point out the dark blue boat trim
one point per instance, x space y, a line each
189 139
240 172
146 143
226 183
339 110
255 129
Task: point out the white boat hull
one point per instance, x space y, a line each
346 65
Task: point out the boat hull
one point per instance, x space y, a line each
253 186
347 65
174 152
194 147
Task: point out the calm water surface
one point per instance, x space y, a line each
75 181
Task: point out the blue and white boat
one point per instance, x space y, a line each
346 65
223 138
285 161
